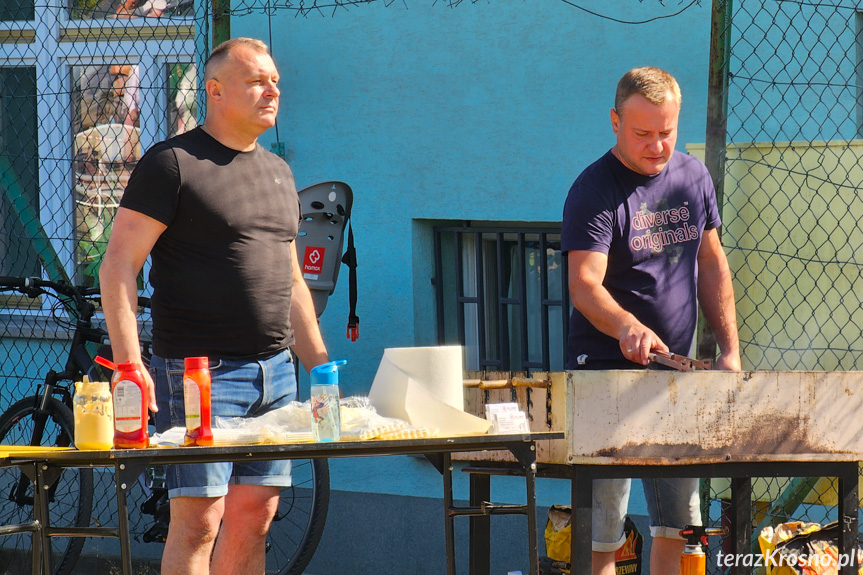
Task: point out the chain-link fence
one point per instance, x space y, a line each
792 179
87 85
788 92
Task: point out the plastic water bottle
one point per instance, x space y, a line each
326 423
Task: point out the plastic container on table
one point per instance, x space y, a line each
326 420
94 415
129 389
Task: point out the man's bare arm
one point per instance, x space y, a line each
308 343
716 296
132 237
586 274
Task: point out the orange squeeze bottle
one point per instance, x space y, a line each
130 394
197 398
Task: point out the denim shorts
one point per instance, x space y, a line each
240 388
672 504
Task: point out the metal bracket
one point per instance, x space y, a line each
436 459
50 474
128 472
525 452
29 471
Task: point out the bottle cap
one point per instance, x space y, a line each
326 373
196 362
127 366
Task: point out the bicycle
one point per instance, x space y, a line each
46 418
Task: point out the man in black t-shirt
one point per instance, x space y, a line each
219 216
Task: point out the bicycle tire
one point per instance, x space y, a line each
298 525
72 502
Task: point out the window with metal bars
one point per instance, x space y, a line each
502 293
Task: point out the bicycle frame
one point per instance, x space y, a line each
299 537
78 363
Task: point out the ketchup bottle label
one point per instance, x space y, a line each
192 396
127 406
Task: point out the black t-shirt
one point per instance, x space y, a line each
222 270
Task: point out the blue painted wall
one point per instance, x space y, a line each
484 111
793 84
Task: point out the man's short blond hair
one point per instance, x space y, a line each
221 52
653 84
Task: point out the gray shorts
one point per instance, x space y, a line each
672 504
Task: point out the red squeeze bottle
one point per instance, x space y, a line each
197 396
130 393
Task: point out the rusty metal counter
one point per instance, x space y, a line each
43 467
739 425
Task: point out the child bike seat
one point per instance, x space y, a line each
326 213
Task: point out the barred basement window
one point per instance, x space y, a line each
502 293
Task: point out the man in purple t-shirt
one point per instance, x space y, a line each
640 232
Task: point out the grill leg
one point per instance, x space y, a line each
480 527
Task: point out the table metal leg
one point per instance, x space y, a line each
582 504
449 519
480 525
530 479
848 504
741 522
526 455
122 487
36 552
126 473
40 508
30 471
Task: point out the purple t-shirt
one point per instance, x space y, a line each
650 227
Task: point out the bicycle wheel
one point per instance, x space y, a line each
70 499
299 523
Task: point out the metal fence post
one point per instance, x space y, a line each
715 144
221 21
